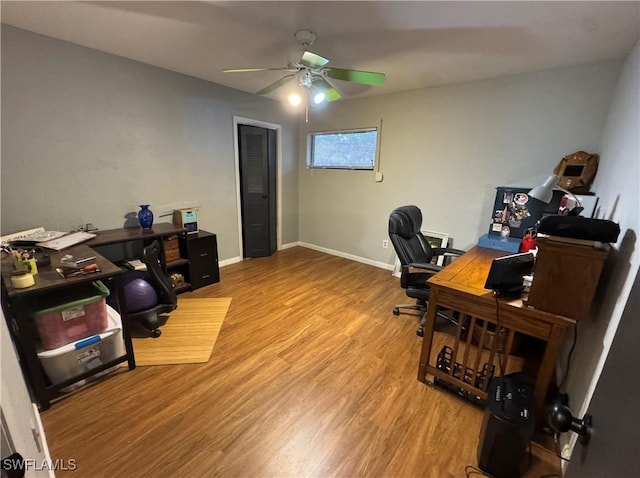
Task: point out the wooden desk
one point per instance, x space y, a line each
18 314
460 287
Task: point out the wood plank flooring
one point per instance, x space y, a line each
311 376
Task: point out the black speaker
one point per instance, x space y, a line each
578 227
507 427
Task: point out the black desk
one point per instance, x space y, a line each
17 312
118 236
198 262
119 245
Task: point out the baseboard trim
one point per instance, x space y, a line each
344 255
228 262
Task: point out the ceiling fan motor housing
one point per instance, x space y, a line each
305 37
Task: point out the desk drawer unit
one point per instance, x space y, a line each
202 251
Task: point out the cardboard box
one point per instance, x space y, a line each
186 218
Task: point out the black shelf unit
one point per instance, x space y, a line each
180 266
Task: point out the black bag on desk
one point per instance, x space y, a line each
578 227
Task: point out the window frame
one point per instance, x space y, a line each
311 148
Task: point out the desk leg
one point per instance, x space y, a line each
427 339
126 333
26 338
546 370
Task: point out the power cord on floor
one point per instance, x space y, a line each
498 332
470 471
558 452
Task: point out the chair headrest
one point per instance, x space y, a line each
405 221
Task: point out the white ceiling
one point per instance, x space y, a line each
417 44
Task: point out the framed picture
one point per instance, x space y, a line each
435 239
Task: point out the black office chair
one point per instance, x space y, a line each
152 319
415 255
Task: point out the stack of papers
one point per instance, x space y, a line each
67 240
30 237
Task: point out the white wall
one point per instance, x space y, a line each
88 136
618 185
445 149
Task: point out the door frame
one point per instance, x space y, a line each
239 120
20 416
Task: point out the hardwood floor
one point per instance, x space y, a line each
311 376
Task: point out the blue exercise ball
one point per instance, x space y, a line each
140 295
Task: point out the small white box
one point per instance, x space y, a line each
83 355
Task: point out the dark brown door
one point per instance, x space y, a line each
258 190
612 451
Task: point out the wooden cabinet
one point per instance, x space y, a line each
202 254
565 277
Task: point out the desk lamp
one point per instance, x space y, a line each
544 194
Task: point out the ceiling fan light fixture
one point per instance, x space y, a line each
311 72
319 97
294 99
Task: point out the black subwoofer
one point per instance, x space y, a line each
507 427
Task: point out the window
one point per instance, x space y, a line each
350 149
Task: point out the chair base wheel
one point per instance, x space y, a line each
420 331
396 311
155 333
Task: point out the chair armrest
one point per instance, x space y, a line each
447 251
425 267
415 268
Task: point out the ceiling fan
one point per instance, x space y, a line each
313 75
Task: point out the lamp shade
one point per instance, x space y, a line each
544 192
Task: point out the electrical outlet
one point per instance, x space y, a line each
385 243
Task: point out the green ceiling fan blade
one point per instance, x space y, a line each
244 70
363 77
275 85
331 94
312 60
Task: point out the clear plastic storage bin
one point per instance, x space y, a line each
83 355
71 315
